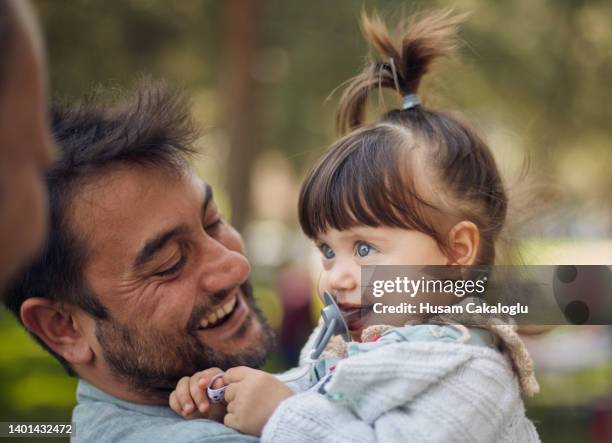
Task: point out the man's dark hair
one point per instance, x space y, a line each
151 128
8 28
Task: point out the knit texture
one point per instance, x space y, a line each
512 344
410 391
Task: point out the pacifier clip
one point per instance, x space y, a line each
215 395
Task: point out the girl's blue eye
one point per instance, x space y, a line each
327 252
364 249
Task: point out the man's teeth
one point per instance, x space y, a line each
219 314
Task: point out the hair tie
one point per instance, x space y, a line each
410 101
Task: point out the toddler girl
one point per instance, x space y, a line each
417 187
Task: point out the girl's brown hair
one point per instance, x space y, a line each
416 168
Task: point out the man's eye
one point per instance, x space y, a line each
173 269
214 225
363 249
328 253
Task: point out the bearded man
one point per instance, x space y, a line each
141 281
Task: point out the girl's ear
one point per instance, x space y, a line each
464 241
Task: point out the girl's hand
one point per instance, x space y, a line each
189 399
252 397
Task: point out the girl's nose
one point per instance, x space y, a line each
344 279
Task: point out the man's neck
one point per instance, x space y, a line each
118 388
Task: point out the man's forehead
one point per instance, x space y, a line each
128 205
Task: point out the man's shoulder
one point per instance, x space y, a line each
102 421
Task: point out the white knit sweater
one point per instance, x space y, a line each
411 391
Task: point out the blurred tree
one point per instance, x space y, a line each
238 93
536 72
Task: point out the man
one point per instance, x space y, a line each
142 282
25 143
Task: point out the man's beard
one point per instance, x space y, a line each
152 362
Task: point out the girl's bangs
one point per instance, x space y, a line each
362 180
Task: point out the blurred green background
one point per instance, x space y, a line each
533 75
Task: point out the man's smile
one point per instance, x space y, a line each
219 315
225 320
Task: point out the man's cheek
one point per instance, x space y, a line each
171 322
167 304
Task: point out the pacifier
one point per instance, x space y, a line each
333 324
215 395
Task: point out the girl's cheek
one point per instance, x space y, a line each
323 285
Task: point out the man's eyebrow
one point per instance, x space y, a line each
208 196
154 245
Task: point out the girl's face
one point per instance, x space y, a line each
344 252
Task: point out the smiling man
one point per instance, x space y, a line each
142 282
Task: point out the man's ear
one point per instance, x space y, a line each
58 328
464 242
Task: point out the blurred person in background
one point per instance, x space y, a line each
293 288
25 144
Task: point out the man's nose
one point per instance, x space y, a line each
221 267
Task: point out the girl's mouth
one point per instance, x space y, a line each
355 315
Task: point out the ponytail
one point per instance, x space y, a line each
404 59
